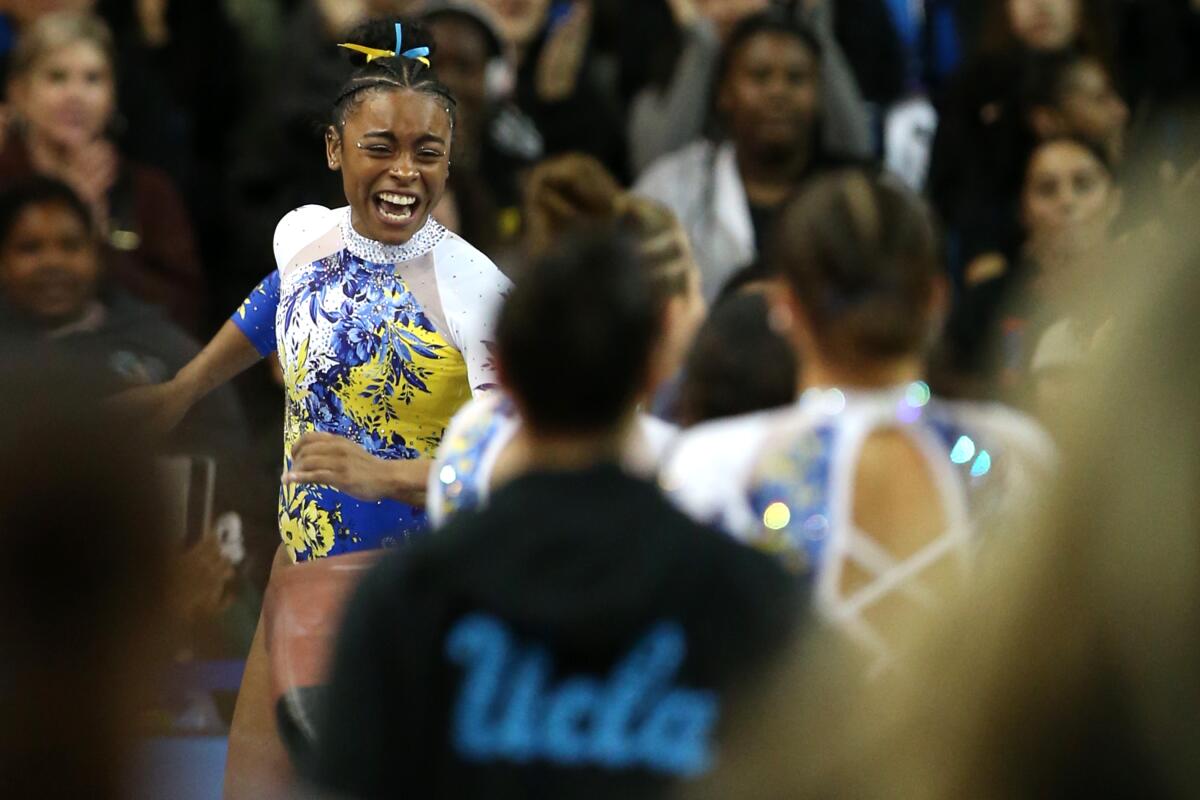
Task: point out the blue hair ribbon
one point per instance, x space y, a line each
416 53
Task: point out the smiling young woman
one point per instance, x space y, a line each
381 319
378 313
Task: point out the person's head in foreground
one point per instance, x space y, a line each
577 637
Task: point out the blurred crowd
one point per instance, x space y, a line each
149 148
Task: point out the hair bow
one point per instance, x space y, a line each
416 53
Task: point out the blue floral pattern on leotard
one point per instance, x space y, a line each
789 494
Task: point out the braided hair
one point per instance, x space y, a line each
389 72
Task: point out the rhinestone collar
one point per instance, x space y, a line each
375 252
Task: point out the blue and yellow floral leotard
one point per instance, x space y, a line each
380 344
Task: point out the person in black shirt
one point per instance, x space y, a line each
577 637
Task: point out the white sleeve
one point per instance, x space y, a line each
706 472
472 289
298 229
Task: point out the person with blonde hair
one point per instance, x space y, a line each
483 446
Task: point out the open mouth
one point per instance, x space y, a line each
396 208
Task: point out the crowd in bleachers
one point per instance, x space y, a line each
897 292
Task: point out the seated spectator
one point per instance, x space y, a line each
15 16
62 94
676 61
1068 202
868 486
728 191
983 138
578 634
1069 93
55 296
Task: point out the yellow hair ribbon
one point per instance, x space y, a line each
373 53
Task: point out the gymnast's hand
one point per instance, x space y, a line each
330 460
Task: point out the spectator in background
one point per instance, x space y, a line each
18 14
1068 203
1070 93
727 191
177 102
577 635
559 82
1062 93
61 87
674 106
55 297
494 143
982 140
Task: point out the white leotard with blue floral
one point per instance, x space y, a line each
783 481
380 344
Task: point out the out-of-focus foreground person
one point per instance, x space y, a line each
82 582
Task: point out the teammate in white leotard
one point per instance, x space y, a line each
867 484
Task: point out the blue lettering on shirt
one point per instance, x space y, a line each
508 710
